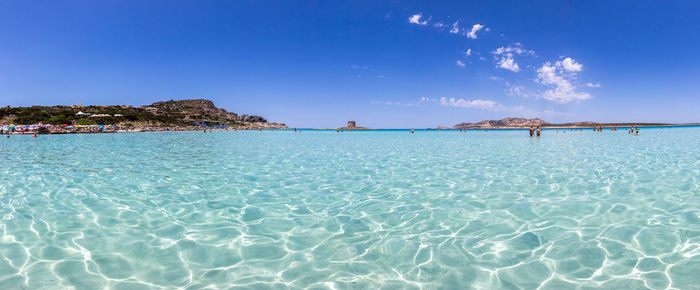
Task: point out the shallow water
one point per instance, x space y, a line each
358 210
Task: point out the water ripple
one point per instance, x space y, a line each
325 210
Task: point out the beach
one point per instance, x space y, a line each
12 129
353 210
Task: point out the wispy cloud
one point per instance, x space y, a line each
468 52
511 50
559 77
460 63
449 102
361 67
514 90
477 103
416 19
406 104
455 28
593 85
363 70
475 28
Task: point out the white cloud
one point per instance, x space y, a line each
562 90
571 65
472 34
507 60
415 19
468 52
592 85
439 24
509 64
478 104
495 78
455 27
460 63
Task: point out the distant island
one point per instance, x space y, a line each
514 123
165 114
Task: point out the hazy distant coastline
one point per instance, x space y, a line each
515 123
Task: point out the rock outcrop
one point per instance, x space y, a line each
204 110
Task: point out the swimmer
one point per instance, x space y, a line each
411 131
532 132
539 131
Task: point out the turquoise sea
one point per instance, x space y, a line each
354 210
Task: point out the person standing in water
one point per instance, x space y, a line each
539 131
532 132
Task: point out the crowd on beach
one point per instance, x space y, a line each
62 129
35 129
632 130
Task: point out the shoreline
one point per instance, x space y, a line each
97 130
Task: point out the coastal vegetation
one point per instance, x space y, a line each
167 113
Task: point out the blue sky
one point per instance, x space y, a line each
384 64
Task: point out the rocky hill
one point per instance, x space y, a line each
203 109
503 123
